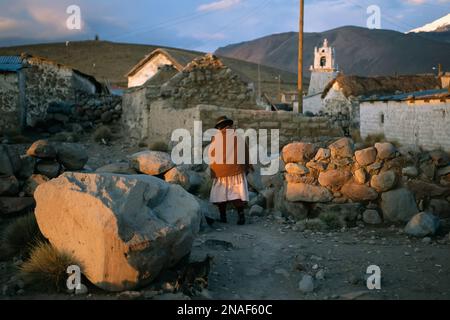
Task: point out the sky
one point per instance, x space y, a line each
202 25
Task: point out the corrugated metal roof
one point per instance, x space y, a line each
425 94
10 63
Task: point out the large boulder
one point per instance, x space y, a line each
440 158
422 224
343 148
398 205
384 181
359 192
366 156
42 149
151 162
322 154
360 176
9 186
123 229
298 152
385 150
72 156
334 179
307 193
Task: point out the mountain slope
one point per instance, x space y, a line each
440 25
359 51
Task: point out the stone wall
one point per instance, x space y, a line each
9 102
157 121
419 123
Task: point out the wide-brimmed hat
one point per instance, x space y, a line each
223 122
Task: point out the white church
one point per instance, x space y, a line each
323 72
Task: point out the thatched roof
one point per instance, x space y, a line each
368 86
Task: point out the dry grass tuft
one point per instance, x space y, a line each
103 133
46 269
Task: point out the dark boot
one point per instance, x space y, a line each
223 217
241 219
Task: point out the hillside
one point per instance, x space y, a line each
359 51
109 62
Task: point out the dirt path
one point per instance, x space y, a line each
268 259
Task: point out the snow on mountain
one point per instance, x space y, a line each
435 25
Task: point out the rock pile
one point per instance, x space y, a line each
207 80
389 184
21 175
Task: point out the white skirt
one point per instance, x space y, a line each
226 189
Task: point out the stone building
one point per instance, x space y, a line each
204 90
29 85
420 119
342 95
323 71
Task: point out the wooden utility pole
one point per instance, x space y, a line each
300 58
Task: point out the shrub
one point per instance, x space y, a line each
332 221
103 133
46 269
20 235
371 139
312 224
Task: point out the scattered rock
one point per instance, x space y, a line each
372 217
306 285
410 171
385 150
343 148
360 176
440 208
359 192
428 170
48 168
322 154
9 186
320 275
307 193
125 229
33 182
424 189
298 152
334 179
257 211
384 181
117 168
440 158
398 205
366 156
28 164
72 156
296 168
443 171
422 224
42 149
152 162
9 205
178 175
6 167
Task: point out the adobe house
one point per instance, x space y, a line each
29 84
149 66
420 119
